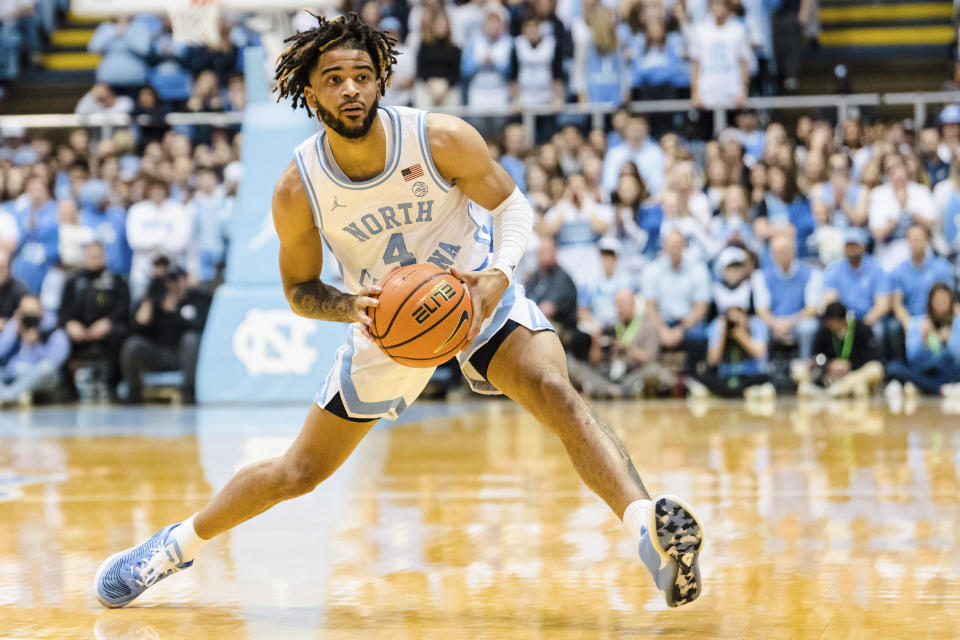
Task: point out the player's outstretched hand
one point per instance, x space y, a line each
365 300
486 288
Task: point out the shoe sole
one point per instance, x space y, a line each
96 581
678 541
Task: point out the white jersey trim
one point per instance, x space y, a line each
391 166
427 156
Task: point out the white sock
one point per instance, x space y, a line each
188 540
637 516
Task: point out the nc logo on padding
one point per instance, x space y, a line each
274 342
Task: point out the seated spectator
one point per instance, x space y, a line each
895 206
400 91
485 64
718 179
515 148
786 295
94 312
912 279
636 230
844 362
596 313
108 222
935 167
210 213
737 357
157 226
36 215
167 326
782 206
624 358
438 65
123 46
732 287
933 351
859 283
32 352
576 222
732 226
720 60
839 201
677 290
102 100
638 147
553 290
11 290
73 235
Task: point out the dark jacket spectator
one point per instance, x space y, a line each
553 289
167 327
95 312
11 290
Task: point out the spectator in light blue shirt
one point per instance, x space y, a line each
785 295
859 283
911 280
514 148
108 223
933 349
37 220
642 150
32 352
677 290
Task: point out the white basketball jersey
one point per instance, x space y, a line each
408 214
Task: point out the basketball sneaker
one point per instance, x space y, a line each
125 575
670 547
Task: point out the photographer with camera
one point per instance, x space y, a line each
737 357
31 352
167 326
844 360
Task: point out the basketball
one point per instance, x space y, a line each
424 316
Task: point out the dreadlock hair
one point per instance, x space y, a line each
297 61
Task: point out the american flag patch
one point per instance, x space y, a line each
412 173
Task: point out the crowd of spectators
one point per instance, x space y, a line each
109 252
830 249
543 53
24 26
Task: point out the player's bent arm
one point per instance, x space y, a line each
301 256
462 157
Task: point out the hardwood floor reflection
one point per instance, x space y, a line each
835 521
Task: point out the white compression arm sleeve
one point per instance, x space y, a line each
512 226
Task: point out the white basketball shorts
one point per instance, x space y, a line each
372 386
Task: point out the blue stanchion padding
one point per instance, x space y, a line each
255 349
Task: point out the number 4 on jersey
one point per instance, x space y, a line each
397 251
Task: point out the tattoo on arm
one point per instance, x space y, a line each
322 302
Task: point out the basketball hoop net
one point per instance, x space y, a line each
195 22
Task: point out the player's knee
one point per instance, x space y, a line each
298 479
555 389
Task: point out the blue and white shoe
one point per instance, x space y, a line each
670 547
125 575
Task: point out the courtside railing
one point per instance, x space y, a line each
920 101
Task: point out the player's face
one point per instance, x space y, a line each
345 92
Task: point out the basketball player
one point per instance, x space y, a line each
387 187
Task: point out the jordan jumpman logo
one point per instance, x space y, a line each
336 204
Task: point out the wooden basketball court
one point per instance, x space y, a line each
467 521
